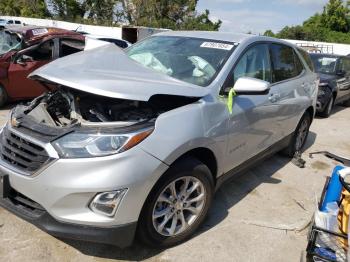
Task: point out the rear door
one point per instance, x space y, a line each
290 77
20 87
343 82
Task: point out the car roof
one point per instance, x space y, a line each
34 34
220 36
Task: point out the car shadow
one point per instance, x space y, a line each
136 252
336 109
226 197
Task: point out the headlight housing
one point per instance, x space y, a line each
85 145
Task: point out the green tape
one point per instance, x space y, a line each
231 95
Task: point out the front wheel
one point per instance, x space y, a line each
299 136
328 110
177 205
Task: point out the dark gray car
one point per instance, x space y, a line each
334 87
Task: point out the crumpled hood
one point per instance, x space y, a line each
108 71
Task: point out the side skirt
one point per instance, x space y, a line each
254 161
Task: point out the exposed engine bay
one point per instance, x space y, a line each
66 108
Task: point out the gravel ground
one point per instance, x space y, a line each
257 217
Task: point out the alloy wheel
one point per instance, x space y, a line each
302 134
178 206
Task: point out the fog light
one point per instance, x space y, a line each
106 203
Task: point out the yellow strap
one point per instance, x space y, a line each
231 95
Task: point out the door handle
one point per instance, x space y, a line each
274 98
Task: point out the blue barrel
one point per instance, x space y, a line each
334 189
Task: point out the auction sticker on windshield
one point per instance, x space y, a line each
39 31
217 45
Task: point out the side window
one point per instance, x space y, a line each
10 22
298 64
284 62
43 53
17 22
307 59
71 46
347 65
254 63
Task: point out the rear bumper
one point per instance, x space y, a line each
121 235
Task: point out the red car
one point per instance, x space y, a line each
26 48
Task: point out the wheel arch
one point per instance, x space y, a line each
206 156
311 111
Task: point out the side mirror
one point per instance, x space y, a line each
251 86
22 60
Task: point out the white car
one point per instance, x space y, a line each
5 22
117 41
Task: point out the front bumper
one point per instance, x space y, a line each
121 236
63 190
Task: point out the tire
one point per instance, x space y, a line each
328 110
297 143
347 103
154 211
3 96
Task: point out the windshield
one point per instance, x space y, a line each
193 60
324 64
9 42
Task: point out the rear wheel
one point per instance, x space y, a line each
177 204
3 96
299 136
328 110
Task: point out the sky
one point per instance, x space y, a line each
257 16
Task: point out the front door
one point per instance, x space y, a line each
252 124
20 87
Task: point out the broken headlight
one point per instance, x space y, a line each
83 145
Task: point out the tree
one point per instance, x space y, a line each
335 16
68 10
269 33
101 11
294 32
332 25
173 14
33 8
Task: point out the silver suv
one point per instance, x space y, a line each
136 142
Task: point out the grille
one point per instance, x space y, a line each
21 153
